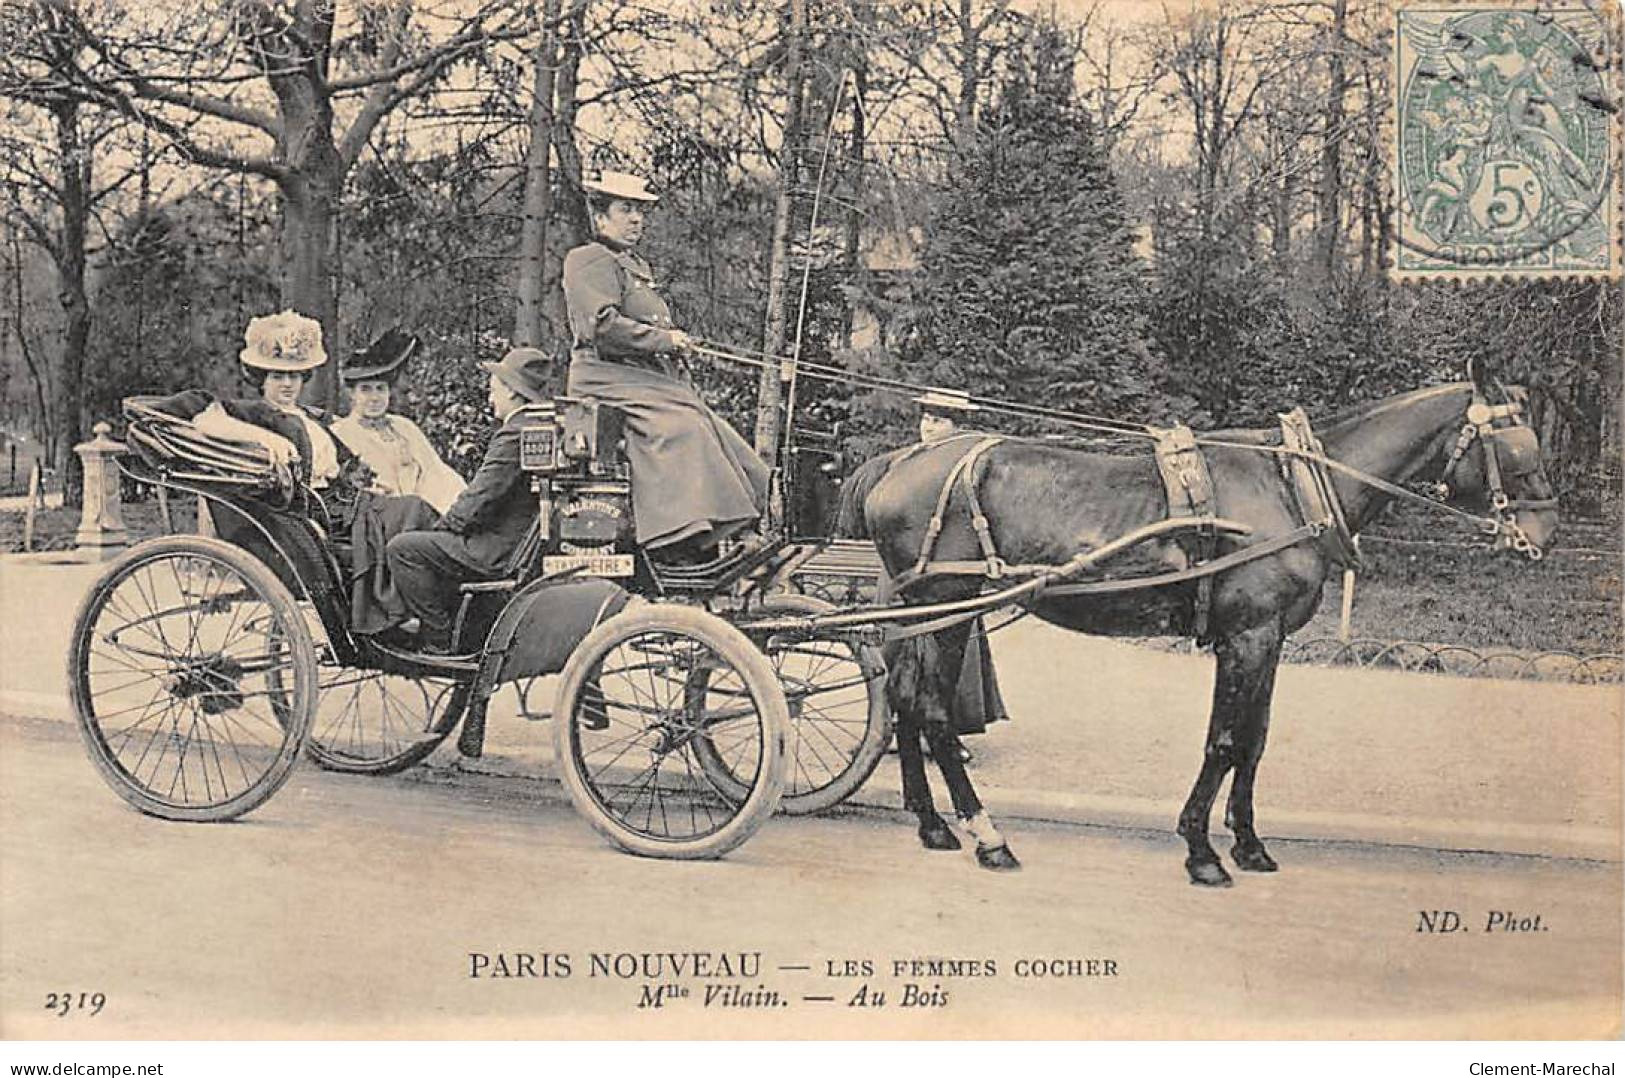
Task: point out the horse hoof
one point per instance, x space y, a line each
1253 858
938 836
1208 874
998 858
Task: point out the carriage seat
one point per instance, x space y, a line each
257 506
174 448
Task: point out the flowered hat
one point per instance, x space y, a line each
283 342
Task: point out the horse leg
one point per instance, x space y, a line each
941 673
903 692
1245 665
1251 732
992 851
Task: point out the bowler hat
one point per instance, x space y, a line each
620 185
382 358
526 371
287 341
945 400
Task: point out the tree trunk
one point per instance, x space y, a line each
538 205
312 184
773 338
574 208
1331 156
307 283
854 218
969 75
38 371
572 226
70 264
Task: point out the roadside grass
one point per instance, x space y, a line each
54 528
1440 584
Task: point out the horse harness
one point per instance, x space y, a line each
1305 470
1188 486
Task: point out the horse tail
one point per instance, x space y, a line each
851 522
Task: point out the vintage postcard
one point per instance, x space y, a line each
986 521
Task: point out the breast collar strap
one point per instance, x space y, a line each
1312 487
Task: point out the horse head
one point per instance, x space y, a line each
1495 468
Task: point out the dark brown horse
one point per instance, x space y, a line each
1045 504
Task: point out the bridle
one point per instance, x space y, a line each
1517 440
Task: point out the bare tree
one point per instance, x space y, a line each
48 149
261 86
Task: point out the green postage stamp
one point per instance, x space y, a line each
1507 140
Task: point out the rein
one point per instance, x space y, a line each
1480 420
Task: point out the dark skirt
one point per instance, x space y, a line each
977 701
375 602
692 473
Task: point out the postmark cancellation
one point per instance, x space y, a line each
1507 140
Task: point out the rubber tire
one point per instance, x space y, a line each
870 749
758 678
456 695
289 623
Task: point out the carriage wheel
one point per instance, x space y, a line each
372 723
836 692
642 697
193 679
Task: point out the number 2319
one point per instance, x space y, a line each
64 1003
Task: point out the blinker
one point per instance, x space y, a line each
1518 450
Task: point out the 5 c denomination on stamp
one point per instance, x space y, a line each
1507 140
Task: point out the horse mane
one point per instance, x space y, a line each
1367 409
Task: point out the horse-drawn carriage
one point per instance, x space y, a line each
695 700
201 668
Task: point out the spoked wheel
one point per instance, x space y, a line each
643 699
371 723
840 723
193 679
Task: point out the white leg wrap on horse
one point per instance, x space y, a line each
982 830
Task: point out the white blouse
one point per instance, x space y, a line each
402 458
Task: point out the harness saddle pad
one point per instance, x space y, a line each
1189 487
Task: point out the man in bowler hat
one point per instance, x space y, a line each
476 536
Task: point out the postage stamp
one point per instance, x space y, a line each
1506 153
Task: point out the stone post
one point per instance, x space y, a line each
101 532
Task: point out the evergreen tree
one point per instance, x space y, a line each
1031 288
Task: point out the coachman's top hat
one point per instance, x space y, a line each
287 341
526 371
620 185
945 400
382 359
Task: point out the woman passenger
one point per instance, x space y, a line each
279 353
400 455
